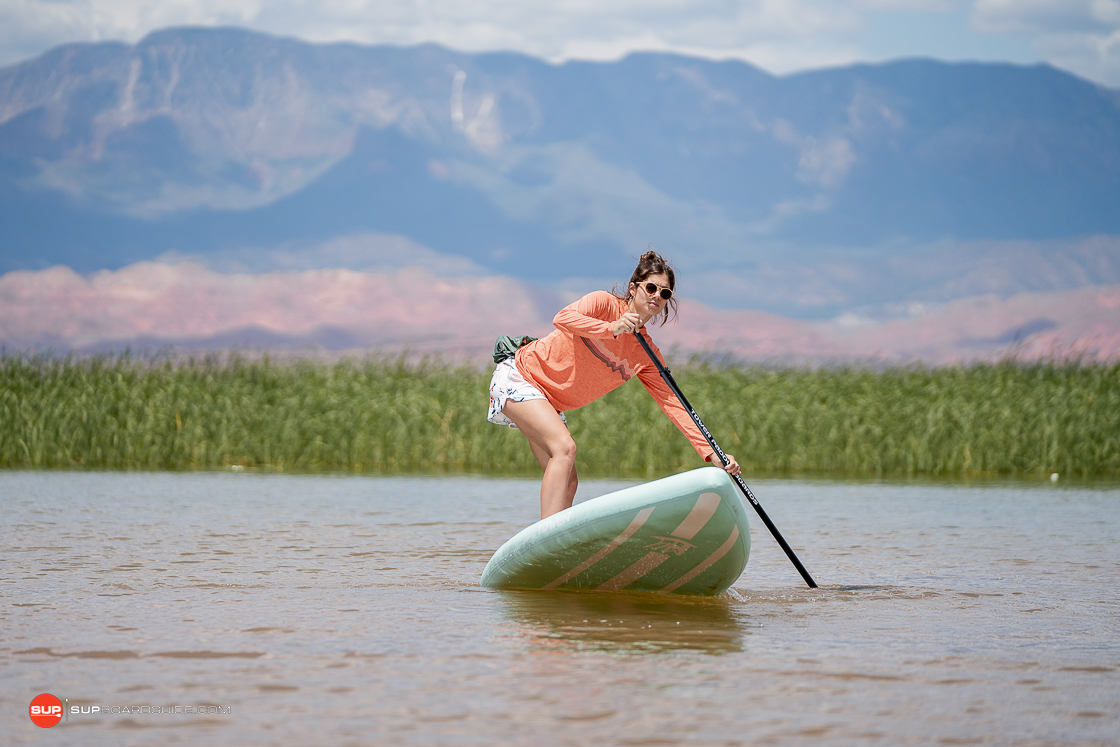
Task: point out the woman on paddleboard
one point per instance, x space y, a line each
591 352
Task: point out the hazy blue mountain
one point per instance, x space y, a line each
208 142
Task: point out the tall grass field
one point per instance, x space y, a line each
378 416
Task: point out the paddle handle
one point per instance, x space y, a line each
668 378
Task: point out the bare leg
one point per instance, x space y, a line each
570 489
554 449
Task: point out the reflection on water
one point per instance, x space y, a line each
622 622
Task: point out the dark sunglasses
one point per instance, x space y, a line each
666 293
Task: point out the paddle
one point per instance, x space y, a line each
668 377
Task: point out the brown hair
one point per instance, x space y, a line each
652 263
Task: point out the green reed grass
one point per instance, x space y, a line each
385 416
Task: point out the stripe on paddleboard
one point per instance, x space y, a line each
706 564
611 546
700 514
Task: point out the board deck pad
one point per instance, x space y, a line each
685 534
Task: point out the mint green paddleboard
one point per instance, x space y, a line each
685 534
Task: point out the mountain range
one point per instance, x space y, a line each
868 192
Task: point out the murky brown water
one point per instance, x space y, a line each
346 610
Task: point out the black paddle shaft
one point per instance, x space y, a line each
668 377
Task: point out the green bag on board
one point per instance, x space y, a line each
505 347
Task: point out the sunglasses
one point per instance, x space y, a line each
650 288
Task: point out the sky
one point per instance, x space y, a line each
782 36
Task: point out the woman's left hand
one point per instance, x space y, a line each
732 467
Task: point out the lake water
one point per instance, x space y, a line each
300 610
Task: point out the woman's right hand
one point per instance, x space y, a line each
628 322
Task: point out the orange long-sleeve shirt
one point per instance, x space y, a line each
581 360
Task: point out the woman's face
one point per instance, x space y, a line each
647 304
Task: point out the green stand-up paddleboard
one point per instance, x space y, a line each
685 534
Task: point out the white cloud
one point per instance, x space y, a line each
565 29
1047 16
1079 35
28 27
779 35
556 30
918 5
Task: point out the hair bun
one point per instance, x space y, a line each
651 256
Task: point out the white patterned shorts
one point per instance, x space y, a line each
507 383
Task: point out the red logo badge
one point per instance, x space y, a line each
45 710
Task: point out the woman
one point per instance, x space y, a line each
591 351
